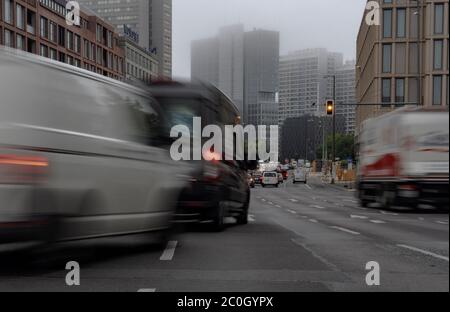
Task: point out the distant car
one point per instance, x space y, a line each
301 175
257 178
270 178
251 181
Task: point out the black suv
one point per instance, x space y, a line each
217 189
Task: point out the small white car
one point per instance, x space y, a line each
270 178
301 175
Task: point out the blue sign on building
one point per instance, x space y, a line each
130 33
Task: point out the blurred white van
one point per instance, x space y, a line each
79 155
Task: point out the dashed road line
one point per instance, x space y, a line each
345 230
317 207
313 221
147 290
291 211
169 252
425 252
388 213
309 187
359 217
278 206
442 222
293 200
378 221
251 218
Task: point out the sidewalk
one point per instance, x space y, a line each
347 185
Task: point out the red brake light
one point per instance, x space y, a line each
212 156
19 169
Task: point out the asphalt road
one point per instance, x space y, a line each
300 237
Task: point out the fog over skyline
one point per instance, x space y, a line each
302 24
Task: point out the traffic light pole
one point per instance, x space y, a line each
333 159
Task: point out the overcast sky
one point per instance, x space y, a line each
302 23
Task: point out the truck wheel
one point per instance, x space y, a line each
387 199
364 203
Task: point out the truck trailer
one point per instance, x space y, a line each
404 159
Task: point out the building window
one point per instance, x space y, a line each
400 90
387 58
401 23
8 40
20 17
437 90
8 11
43 50
20 42
87 49
438 54
77 44
387 23
53 32
439 18
61 36
31 22
99 33
44 27
386 91
69 44
53 54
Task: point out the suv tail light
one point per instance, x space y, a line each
20 169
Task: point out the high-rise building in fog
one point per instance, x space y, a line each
261 55
346 95
304 88
220 61
244 65
150 20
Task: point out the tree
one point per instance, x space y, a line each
345 147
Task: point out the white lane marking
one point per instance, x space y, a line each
313 221
421 219
270 203
388 213
345 230
291 211
378 221
428 253
350 201
147 290
251 218
263 199
293 200
309 187
442 222
317 206
359 217
278 206
169 252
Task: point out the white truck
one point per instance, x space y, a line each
404 159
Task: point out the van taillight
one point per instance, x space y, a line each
19 169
